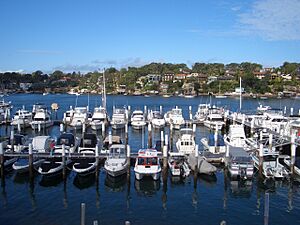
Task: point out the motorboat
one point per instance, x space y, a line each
186 142
214 121
156 119
116 163
201 165
40 144
287 161
41 119
239 163
236 137
88 147
271 167
18 144
273 120
79 118
55 165
138 119
174 118
178 165
22 118
108 142
68 115
263 108
99 117
214 143
119 118
147 164
201 113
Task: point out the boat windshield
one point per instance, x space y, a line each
117 153
147 161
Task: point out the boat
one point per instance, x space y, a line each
186 142
156 119
147 164
22 118
220 96
178 165
201 165
88 147
138 119
262 108
239 163
119 118
41 119
99 117
20 143
80 117
271 167
108 141
214 121
55 165
214 144
5 108
116 163
237 138
201 113
174 118
287 161
40 144
273 120
189 96
68 115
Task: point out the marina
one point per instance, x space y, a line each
196 183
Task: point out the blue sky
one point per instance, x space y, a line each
86 35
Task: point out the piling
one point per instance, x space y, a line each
30 155
292 111
63 159
171 137
97 163
160 109
19 126
110 140
190 113
252 126
145 109
12 140
82 214
293 152
266 213
284 110
95 222
270 141
2 159
83 128
39 127
261 135
149 135
226 155
127 222
161 139
103 129
126 133
61 128
261 154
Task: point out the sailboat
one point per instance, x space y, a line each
220 95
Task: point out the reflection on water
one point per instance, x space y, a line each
51 181
240 189
147 186
115 184
83 182
208 180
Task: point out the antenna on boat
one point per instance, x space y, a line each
240 94
104 91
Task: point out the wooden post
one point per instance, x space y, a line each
103 129
110 139
83 128
19 126
39 128
82 214
160 109
252 126
12 140
2 159
30 155
149 135
261 159
97 163
126 133
270 141
266 213
161 139
284 111
292 111
190 113
293 152
61 128
63 158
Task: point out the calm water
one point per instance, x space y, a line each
204 200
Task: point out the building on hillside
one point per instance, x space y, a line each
226 78
180 76
167 77
25 86
164 88
153 78
188 89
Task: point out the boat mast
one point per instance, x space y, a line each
104 91
240 93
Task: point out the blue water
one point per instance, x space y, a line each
203 200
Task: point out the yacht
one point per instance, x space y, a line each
271 167
22 118
156 119
287 161
186 142
99 117
236 137
40 144
274 120
41 119
79 117
116 163
263 108
201 113
214 121
178 165
214 144
138 119
147 164
119 118
68 115
174 118
54 165
88 147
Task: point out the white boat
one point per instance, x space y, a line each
68 115
99 117
178 165
186 142
201 113
156 119
20 143
236 137
271 168
287 161
147 164
54 165
214 121
116 163
174 118
80 117
5 108
263 108
239 163
273 120
22 118
119 118
88 146
41 119
214 144
221 96
40 144
138 119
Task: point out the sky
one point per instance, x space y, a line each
77 35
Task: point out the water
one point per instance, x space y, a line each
205 200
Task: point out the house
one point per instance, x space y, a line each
226 78
202 78
239 90
164 88
286 76
188 89
180 76
259 74
153 78
211 79
168 77
25 86
121 89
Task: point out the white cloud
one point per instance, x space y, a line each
272 20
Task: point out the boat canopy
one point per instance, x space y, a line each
89 140
66 139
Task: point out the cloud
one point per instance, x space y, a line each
272 20
39 52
